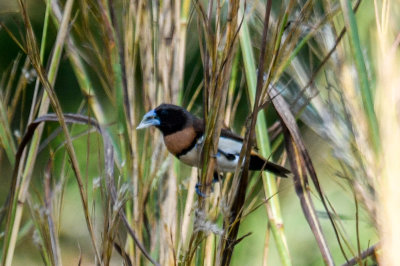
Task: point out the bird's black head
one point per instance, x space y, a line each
168 118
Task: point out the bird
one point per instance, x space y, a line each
183 135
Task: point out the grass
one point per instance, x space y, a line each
276 73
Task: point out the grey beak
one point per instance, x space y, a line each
149 119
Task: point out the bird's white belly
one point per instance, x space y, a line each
192 157
227 146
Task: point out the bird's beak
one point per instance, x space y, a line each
149 119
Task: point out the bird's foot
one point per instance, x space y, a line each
216 178
201 194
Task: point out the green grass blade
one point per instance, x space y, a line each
263 143
366 90
6 140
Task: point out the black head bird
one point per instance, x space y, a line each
183 136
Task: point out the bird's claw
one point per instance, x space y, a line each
201 194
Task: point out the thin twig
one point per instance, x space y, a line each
371 251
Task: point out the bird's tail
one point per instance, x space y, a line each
257 163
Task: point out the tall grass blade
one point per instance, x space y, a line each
240 195
301 165
365 88
6 140
269 180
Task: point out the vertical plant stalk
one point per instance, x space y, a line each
7 113
120 67
269 181
301 186
6 140
387 102
240 195
302 166
181 12
229 113
266 247
52 230
366 91
217 69
21 85
218 88
132 27
169 53
185 223
117 50
183 23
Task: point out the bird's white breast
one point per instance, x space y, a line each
226 145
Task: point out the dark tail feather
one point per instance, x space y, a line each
257 163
